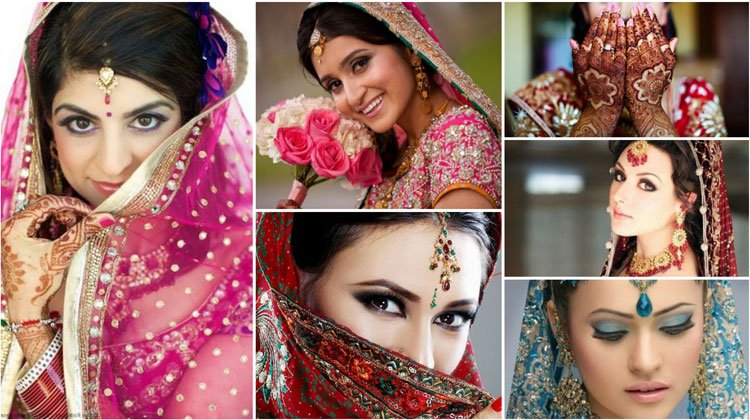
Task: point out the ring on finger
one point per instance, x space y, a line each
608 47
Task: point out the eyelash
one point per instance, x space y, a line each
643 184
361 61
669 330
367 299
67 123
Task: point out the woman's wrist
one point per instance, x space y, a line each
34 340
19 314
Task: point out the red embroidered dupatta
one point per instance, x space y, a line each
308 366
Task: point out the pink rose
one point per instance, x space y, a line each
321 122
272 115
294 145
366 169
329 159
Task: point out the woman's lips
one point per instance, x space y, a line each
372 109
620 216
647 392
107 188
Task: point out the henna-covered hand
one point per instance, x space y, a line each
34 340
649 71
599 67
32 267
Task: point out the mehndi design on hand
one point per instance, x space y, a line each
33 267
650 62
599 66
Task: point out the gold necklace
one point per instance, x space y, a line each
405 164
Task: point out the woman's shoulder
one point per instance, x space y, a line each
547 105
555 82
460 121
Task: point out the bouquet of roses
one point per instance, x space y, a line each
321 144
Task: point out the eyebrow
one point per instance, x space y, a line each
672 308
640 173
132 113
462 302
148 107
630 316
346 59
75 109
406 294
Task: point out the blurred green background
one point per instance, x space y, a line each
469 32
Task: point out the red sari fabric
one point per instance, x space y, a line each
551 104
310 367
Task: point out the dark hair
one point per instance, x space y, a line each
317 237
581 27
334 20
153 43
685 181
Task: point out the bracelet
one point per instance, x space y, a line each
14 328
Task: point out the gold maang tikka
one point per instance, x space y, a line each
317 43
445 254
638 153
106 81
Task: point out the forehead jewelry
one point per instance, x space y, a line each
638 153
643 306
106 81
317 43
444 254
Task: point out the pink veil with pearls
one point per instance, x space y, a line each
157 318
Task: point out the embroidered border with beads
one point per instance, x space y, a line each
106 274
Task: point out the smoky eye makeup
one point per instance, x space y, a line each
382 302
677 324
647 185
609 330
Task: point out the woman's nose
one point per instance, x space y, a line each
355 96
645 358
417 344
621 195
114 157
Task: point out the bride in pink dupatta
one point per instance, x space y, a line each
126 207
399 79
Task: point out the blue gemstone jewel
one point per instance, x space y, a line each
644 307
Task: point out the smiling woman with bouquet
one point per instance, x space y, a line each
434 133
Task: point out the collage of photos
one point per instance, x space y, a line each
263 209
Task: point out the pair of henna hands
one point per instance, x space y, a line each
33 268
624 65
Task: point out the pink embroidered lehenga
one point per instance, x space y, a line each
157 316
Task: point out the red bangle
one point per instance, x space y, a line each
13 327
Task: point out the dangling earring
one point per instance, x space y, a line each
679 240
423 82
56 171
570 396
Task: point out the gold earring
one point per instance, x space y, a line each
570 395
423 82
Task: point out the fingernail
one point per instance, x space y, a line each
573 45
650 11
620 22
107 221
615 7
630 22
497 406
